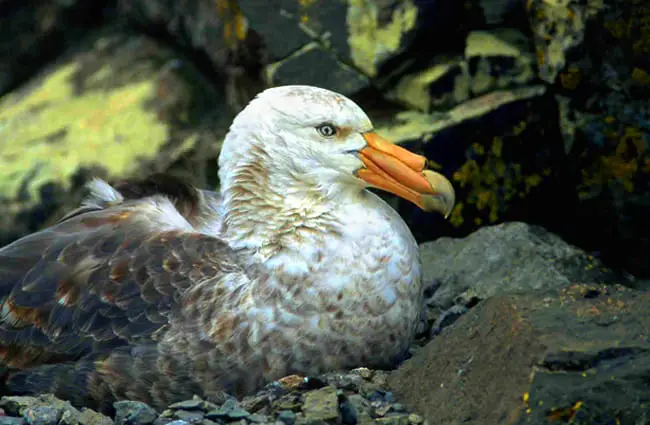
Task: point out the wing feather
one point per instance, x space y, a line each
99 279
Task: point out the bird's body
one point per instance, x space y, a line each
159 292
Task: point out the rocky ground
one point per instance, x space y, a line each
536 110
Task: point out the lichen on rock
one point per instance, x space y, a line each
120 105
373 40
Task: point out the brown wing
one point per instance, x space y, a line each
98 280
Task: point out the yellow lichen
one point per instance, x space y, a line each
369 41
570 79
456 216
413 89
488 43
49 133
235 25
641 76
622 165
411 125
491 181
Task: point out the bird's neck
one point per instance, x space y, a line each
271 212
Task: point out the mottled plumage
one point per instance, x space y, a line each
157 291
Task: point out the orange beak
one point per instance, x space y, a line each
405 174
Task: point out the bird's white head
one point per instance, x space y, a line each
296 138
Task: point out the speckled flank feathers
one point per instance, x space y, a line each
157 291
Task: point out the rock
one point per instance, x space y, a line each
499 59
215 32
133 413
255 403
349 414
286 417
399 419
291 401
90 417
198 23
577 353
315 66
256 418
35 32
558 27
335 44
319 406
415 419
190 416
229 411
493 60
9 420
499 11
501 151
194 404
42 415
30 407
603 92
16 405
120 105
356 410
69 417
409 126
505 258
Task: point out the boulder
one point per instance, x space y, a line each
215 34
35 32
507 258
341 45
602 93
576 354
119 105
492 60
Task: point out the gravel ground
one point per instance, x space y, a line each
358 397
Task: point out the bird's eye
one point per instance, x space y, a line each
326 130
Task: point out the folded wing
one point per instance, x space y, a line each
100 279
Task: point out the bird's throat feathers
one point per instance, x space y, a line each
269 208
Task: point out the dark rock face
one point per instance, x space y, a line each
340 45
215 33
579 353
35 32
603 93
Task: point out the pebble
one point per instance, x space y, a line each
287 417
415 419
11 420
229 411
191 416
193 404
133 413
399 419
358 397
90 417
364 372
257 418
321 405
